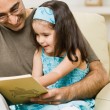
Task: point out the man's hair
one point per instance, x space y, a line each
68 35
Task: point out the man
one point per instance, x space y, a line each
16 53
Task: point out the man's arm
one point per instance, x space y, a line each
92 83
86 88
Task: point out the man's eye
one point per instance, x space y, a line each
15 11
3 16
15 8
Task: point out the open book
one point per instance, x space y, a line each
19 89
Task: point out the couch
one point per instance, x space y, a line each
94 29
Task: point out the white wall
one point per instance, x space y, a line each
71 3
35 3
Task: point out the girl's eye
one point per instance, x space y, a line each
36 34
46 35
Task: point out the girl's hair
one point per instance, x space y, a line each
68 35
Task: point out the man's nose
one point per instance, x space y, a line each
12 19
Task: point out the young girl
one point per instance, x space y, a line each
58 37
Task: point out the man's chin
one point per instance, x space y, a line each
20 27
17 29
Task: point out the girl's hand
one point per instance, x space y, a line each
54 96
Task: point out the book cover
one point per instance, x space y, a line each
19 89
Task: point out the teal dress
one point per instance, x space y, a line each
49 63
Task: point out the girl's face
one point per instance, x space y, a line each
45 35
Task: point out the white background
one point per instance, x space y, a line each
71 3
34 3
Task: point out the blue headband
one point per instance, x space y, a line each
44 13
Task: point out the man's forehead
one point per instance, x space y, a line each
5 5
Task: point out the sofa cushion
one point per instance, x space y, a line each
109 55
94 29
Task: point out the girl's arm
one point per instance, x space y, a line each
37 65
61 70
